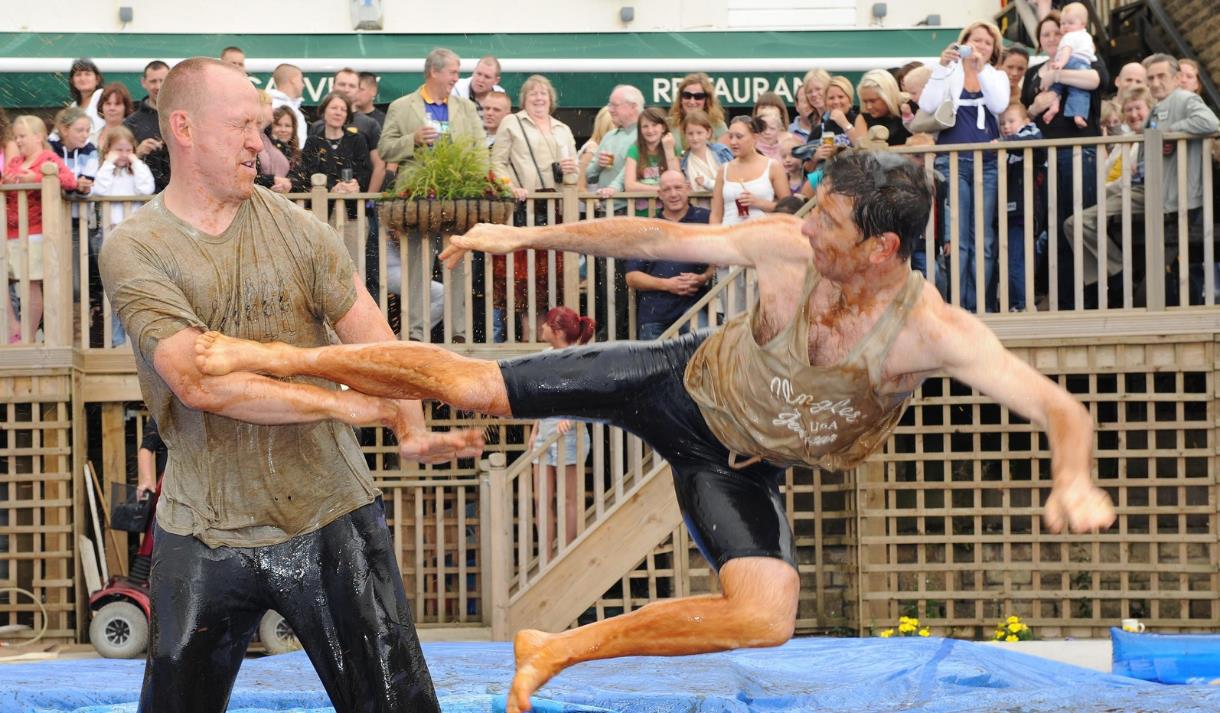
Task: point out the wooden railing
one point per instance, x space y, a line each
465 306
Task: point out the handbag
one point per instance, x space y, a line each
943 118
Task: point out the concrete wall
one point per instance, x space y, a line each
422 16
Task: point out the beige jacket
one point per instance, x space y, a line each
510 155
407 114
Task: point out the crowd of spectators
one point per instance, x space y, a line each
977 92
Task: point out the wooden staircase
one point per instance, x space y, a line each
615 544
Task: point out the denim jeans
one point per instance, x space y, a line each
1016 273
1064 206
965 215
919 262
1074 102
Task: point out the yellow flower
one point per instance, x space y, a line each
1014 628
1013 620
1010 638
906 628
887 633
999 634
925 632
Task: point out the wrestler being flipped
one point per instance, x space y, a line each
817 373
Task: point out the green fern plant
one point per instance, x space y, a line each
450 169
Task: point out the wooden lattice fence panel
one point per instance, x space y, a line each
951 512
36 531
821 511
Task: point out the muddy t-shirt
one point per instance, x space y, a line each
277 273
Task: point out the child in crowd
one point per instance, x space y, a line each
72 144
769 139
1112 118
1016 125
703 158
1136 105
794 167
1076 51
652 155
562 328
25 260
121 174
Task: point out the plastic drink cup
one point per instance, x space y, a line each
743 211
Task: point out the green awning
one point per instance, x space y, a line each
583 67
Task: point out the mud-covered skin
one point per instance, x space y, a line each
339 588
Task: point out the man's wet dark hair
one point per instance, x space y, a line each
889 194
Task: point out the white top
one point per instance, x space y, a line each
462 88
1081 45
93 111
138 181
760 188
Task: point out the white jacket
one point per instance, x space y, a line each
136 182
948 82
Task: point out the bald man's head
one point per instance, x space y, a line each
289 79
194 83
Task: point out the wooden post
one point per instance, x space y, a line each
571 266
114 471
497 545
870 572
57 262
317 195
1154 218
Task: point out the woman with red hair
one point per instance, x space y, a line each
562 328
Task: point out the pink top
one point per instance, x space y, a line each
12 168
272 161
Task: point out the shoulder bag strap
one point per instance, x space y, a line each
528 145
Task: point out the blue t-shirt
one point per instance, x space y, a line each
965 129
653 306
440 113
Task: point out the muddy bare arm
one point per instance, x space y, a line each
258 399
365 324
970 352
775 237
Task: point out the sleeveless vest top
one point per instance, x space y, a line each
760 187
769 402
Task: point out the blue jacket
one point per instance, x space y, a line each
83 162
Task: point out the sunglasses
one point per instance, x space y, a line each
694 95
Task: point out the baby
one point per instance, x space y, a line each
1076 51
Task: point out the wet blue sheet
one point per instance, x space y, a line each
811 674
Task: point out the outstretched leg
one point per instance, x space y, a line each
395 370
757 608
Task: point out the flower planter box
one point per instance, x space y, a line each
426 216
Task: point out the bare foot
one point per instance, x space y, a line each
1081 122
535 666
218 355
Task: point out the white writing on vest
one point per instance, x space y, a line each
842 409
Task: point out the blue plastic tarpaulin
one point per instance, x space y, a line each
812 674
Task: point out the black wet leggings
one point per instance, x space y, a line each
340 590
639 387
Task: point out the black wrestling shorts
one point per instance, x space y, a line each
638 386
